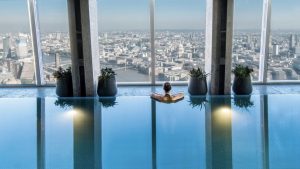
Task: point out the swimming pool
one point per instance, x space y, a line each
135 132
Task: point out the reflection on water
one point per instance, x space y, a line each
108 101
136 132
198 101
243 102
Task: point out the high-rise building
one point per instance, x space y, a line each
275 50
6 46
58 36
297 51
180 50
105 37
296 64
292 42
57 60
22 50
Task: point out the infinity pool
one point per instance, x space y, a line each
227 132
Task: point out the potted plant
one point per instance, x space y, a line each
242 84
64 87
107 83
197 82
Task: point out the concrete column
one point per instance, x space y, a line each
83 27
218 49
265 41
36 41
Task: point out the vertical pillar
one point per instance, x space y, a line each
83 27
36 41
218 49
265 40
152 40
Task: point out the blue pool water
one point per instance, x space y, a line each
135 132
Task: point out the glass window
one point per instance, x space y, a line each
55 41
179 38
124 39
247 34
16 58
284 48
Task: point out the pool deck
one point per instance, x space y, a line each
141 90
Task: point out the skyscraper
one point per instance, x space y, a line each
22 50
57 60
6 46
180 50
275 50
292 42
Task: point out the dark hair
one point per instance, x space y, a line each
167 87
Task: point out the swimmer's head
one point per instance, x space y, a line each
167 87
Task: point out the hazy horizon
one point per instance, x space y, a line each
169 15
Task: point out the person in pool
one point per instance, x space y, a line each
167 97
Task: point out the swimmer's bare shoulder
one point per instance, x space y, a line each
156 96
178 96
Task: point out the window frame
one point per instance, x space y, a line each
264 51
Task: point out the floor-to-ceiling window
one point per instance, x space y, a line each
247 34
284 47
16 56
124 38
179 38
55 42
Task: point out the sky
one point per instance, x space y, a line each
134 15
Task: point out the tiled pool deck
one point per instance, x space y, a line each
141 90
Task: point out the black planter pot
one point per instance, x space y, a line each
242 86
64 87
197 86
107 87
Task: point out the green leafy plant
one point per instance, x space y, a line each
242 71
198 73
107 73
62 73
